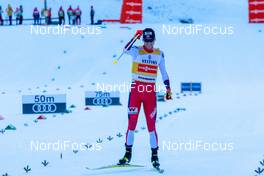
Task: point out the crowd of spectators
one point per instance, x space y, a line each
74 15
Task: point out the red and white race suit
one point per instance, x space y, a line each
144 73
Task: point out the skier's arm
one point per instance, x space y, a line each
165 77
163 72
132 51
129 48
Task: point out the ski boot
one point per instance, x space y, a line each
127 157
154 158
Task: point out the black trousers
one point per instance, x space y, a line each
10 20
21 20
61 20
36 21
69 18
78 20
92 19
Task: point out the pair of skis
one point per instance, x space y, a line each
158 169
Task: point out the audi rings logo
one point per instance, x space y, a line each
104 101
42 108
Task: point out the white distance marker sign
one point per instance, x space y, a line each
44 104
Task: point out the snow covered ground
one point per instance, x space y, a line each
228 112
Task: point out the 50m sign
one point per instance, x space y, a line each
43 104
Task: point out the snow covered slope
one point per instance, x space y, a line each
228 110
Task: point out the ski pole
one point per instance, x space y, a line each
129 45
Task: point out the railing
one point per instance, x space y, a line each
42 20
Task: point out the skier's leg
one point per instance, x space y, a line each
134 104
150 109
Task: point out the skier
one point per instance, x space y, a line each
1 16
61 15
146 61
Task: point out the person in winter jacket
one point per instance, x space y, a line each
73 17
92 12
1 16
21 14
17 14
49 15
78 14
61 15
44 14
36 16
9 12
70 14
146 62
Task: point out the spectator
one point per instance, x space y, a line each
78 14
92 12
44 13
17 14
9 12
70 13
21 14
36 16
1 16
73 17
49 16
61 15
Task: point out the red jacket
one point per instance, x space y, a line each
78 12
49 13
